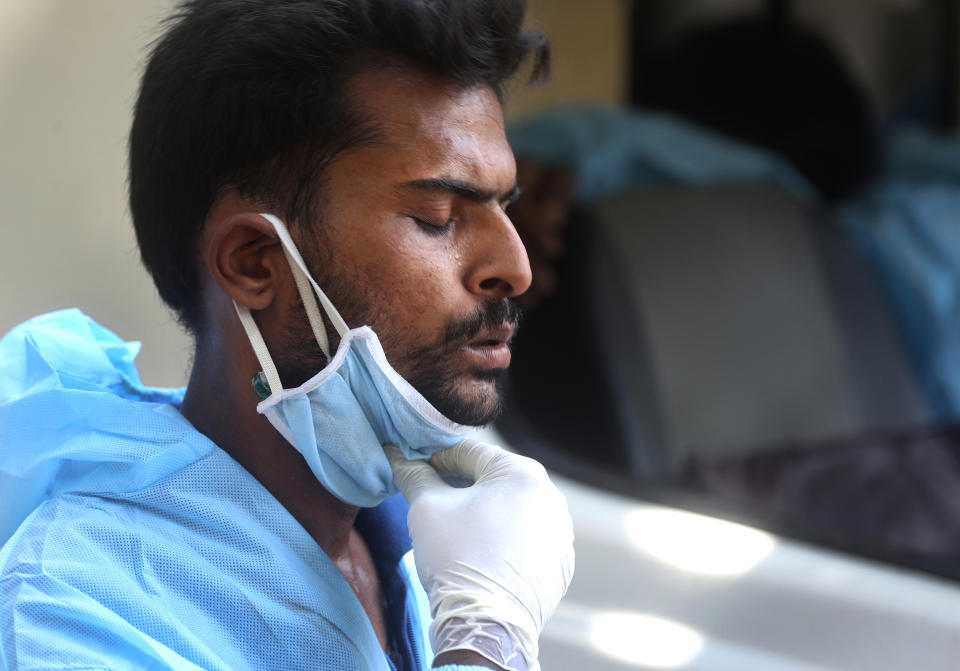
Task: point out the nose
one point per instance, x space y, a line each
499 266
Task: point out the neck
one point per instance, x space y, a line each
221 404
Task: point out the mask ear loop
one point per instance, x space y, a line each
310 305
259 348
335 319
304 283
256 337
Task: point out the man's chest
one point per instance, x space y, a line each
360 572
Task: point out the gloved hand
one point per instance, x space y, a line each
495 558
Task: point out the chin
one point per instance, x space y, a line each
475 402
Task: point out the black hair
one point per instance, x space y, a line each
249 95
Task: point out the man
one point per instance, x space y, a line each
277 142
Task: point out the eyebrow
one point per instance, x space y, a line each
462 189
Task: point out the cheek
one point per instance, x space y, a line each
419 282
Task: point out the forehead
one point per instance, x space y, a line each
428 127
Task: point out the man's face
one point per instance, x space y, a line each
415 242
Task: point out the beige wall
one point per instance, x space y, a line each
589 47
68 71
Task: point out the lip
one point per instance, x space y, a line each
496 356
493 346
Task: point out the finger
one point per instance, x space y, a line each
412 477
468 458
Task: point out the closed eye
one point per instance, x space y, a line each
432 228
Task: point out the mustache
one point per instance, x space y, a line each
492 314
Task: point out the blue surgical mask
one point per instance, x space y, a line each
341 418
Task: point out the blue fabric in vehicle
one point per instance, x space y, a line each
131 541
612 150
907 227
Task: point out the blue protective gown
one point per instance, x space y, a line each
133 542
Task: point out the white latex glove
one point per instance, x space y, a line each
495 558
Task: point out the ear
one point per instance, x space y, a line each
246 259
